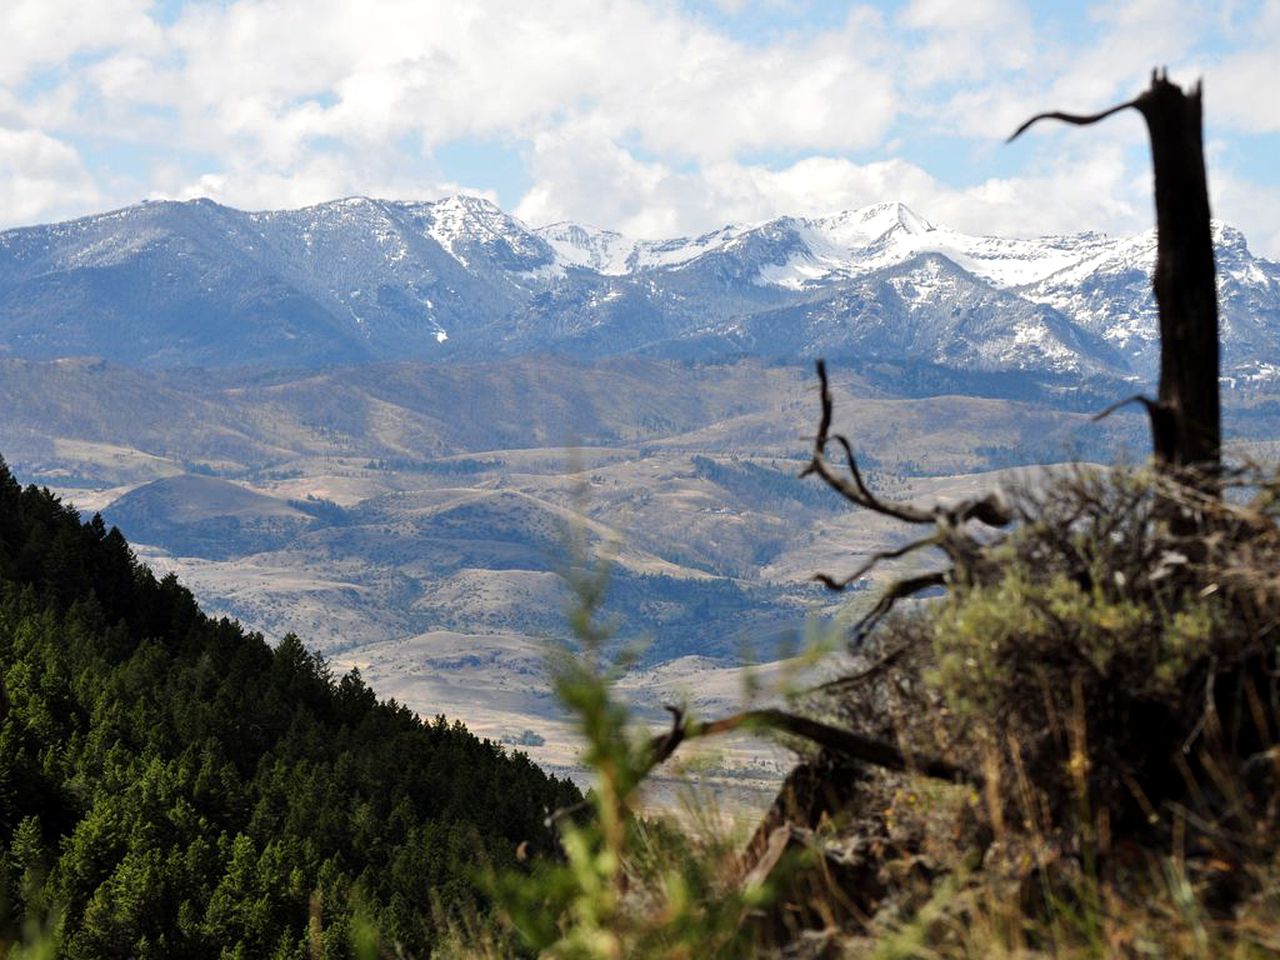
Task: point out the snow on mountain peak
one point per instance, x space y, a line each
604 251
466 203
394 276
462 222
1225 235
882 218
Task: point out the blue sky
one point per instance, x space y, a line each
653 117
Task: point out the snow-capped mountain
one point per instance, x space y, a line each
199 284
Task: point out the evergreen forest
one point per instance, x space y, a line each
171 786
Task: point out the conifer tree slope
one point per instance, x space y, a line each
170 785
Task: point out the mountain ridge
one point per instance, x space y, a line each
194 283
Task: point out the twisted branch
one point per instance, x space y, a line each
1080 120
866 675
844 743
841 742
990 509
831 583
949 520
898 590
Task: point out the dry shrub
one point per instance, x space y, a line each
1118 646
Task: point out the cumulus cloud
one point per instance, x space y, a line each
45 34
583 176
588 178
40 175
950 42
276 76
1127 39
1242 87
1253 208
295 94
641 115
317 179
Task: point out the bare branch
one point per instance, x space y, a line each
900 590
890 659
1163 425
854 490
1080 120
843 583
858 747
845 743
661 747
989 509
1141 398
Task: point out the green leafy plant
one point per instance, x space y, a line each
627 886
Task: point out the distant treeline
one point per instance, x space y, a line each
765 486
713 617
326 511
171 786
463 465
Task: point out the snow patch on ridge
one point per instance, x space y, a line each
589 248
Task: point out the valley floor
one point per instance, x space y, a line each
413 521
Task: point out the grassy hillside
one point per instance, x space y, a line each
364 504
238 423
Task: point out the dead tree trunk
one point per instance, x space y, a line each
1186 419
1185 286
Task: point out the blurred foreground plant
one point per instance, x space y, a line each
628 886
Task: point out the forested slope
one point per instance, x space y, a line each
172 786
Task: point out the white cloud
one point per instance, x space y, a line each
257 74
1129 39
41 177
47 33
1091 187
633 114
1251 207
292 90
967 41
1242 87
315 180
586 177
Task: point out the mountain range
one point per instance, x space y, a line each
371 422
196 284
